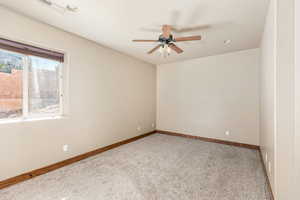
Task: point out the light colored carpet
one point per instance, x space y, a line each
158 167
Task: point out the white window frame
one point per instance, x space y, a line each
25 87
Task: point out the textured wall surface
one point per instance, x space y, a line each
268 92
209 96
107 96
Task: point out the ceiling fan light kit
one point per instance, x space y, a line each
164 50
167 42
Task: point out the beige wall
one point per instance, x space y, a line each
285 142
281 141
110 94
268 92
296 181
208 96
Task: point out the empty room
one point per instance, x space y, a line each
149 100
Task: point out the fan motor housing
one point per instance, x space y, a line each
164 40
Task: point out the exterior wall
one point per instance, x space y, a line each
10 91
11 84
43 89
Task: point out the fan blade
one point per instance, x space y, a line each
190 29
190 38
154 49
144 40
175 48
166 29
153 30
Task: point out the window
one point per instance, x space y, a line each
30 81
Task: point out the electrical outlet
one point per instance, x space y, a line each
139 128
65 147
227 133
153 125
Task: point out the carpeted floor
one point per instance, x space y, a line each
158 167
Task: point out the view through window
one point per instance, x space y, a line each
11 94
30 86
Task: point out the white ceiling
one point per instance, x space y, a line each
114 23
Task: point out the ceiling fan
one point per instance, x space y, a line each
167 41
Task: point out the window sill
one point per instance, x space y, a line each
30 119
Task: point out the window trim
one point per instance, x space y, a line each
25 103
30 50
25 87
